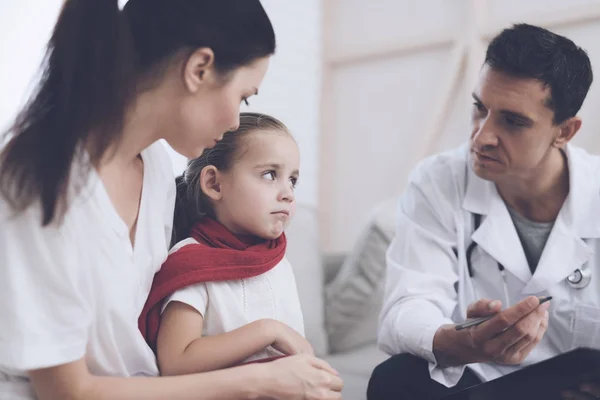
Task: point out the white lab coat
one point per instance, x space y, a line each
427 258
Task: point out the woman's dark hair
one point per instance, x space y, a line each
527 51
97 59
191 202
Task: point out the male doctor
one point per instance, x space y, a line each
489 228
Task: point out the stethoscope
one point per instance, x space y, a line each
579 279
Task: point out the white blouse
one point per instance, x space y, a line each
77 289
229 305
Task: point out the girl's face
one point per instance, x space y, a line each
257 192
211 106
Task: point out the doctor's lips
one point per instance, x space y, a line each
484 157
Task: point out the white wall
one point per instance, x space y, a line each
290 91
292 86
397 81
25 28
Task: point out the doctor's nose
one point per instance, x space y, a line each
484 136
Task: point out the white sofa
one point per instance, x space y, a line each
341 295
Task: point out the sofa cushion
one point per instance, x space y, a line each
354 298
304 254
355 368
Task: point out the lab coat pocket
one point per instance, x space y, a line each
586 327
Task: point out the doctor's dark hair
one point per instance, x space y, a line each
191 203
527 51
97 60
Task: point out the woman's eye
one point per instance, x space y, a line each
479 107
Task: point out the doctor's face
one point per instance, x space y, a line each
513 131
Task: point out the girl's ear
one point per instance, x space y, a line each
209 182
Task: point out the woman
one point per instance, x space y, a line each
88 195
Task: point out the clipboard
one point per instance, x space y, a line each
544 380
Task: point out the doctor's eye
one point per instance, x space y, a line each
514 124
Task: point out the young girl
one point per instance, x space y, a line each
227 293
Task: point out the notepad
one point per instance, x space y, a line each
544 380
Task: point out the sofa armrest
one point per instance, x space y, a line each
331 265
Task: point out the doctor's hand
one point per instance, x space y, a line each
507 338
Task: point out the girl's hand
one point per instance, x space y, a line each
288 341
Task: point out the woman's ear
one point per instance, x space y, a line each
209 183
198 69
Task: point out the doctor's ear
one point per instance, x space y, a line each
568 129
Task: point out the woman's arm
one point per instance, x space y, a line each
183 350
299 377
74 382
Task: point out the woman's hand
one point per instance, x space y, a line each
301 377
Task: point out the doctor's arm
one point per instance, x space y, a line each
422 268
421 273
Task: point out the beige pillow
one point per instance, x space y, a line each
354 298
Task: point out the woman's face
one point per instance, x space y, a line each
212 107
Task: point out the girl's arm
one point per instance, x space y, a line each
298 377
183 350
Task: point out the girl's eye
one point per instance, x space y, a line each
294 182
270 175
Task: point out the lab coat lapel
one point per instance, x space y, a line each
497 235
578 220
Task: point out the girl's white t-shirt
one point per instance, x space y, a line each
229 305
77 289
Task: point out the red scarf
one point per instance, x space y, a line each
218 256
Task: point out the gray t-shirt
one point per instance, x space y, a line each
533 236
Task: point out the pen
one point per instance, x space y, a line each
477 321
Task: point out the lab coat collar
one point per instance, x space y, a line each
565 250
578 220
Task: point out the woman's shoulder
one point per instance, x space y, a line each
159 156
159 164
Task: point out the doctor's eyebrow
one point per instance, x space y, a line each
522 118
